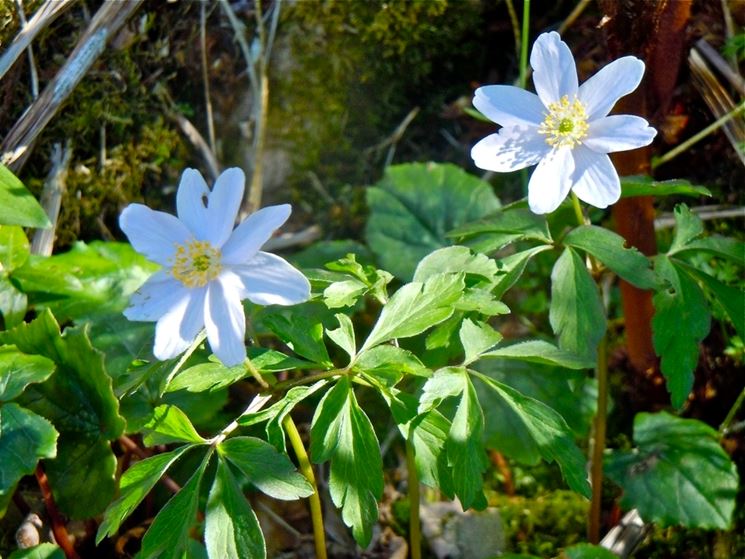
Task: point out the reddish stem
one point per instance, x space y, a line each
58 524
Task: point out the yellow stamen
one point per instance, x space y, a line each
196 263
565 123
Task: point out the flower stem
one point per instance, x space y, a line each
598 448
524 38
724 427
316 514
657 161
415 533
579 214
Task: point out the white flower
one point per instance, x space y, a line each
208 268
564 129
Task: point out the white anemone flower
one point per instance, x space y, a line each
564 129
208 267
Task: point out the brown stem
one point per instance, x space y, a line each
58 523
497 458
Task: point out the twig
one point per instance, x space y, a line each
58 523
30 50
624 538
287 240
205 75
704 213
515 22
51 199
108 19
134 448
715 59
279 520
198 141
571 18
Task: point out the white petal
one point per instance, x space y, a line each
190 197
595 179
155 297
510 149
604 89
193 320
554 71
255 230
618 133
169 341
154 234
223 205
551 181
225 323
509 106
270 280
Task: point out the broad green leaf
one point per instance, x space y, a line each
343 336
688 226
447 382
576 313
549 431
169 533
134 486
512 267
41 551
342 433
538 351
18 370
300 328
681 320
267 469
505 226
465 448
730 298
641 185
416 307
610 249
17 205
389 364
344 293
231 528
13 303
456 259
429 432
477 338
587 551
25 438
680 457
414 206
724 247
170 425
14 248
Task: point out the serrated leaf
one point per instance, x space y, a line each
730 298
511 268
169 533
576 313
389 364
538 351
17 205
41 551
688 226
344 335
447 382
724 247
344 293
231 528
549 431
456 259
18 370
13 303
300 328
641 185
429 432
610 249
505 226
681 320
477 338
267 469
25 438
14 248
414 206
416 307
169 424
680 457
342 433
134 486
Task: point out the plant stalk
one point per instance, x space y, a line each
724 427
415 530
598 447
316 513
523 79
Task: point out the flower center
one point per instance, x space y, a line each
565 123
196 263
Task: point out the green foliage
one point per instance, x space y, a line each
509 224
41 551
679 457
642 185
17 205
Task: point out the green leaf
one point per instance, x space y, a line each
587 551
344 293
42 551
688 226
465 448
267 469
456 259
538 351
343 434
17 205
477 338
548 429
321 252
14 248
610 249
170 425
447 382
576 312
724 247
25 439
301 330
135 484
13 303
414 206
511 268
343 336
730 298
231 528
680 457
416 307
505 226
641 185
389 364
681 320
169 533
429 433
18 370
